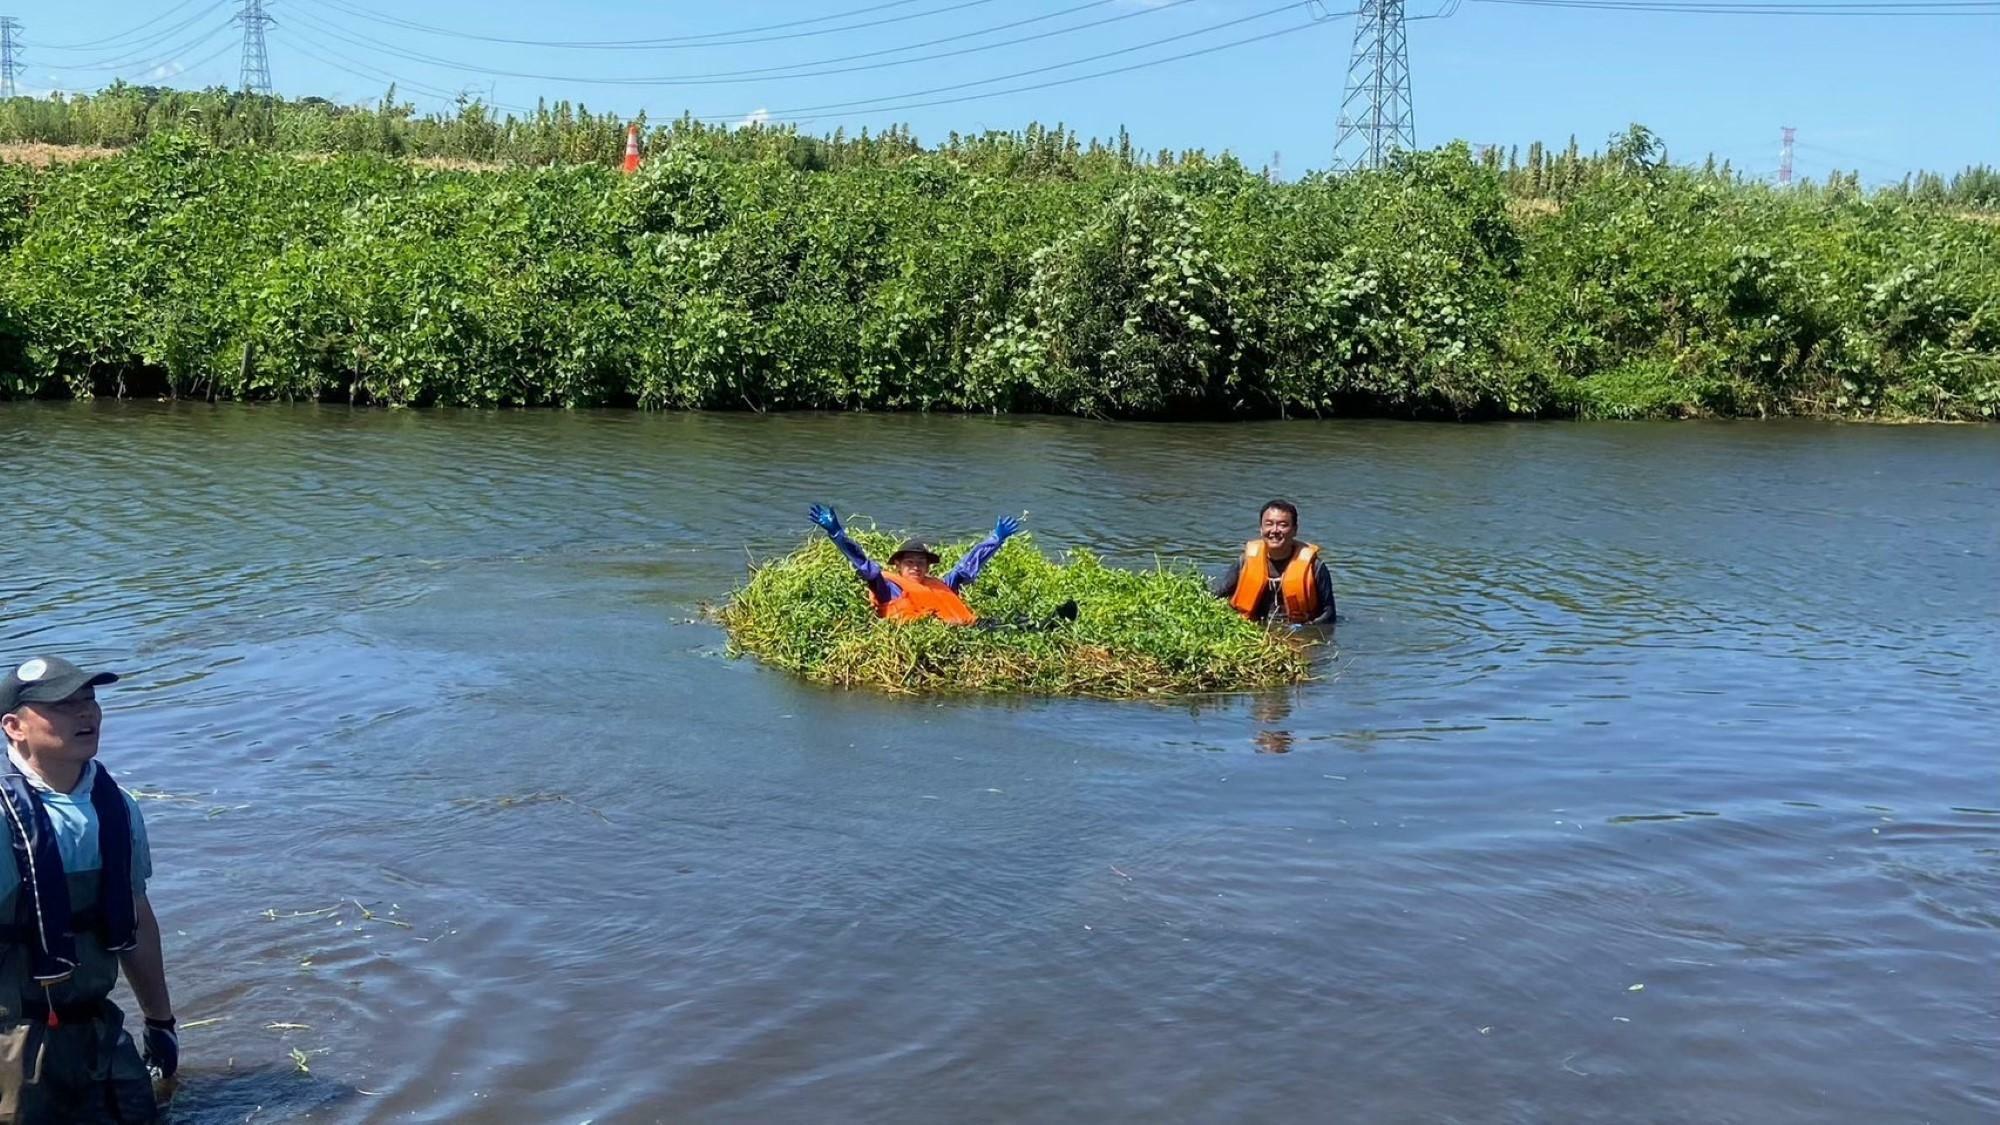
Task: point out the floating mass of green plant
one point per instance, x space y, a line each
1137 634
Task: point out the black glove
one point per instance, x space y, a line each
163 1048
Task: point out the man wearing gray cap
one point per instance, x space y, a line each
73 911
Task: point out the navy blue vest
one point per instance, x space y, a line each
46 921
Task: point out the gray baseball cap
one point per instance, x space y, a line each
47 679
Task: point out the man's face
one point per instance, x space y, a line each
914 566
1277 531
66 730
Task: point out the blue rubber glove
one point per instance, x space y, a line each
1006 528
163 1048
827 521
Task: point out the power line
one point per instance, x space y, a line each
99 44
690 42
190 68
789 114
145 62
148 50
354 68
1775 7
1254 16
399 21
778 71
795 70
1841 154
138 49
670 80
171 58
168 61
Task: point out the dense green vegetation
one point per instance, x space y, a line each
1545 174
1137 634
123 115
560 133
759 269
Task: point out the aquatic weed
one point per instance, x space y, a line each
1137 634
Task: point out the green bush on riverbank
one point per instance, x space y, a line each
1192 287
473 132
1137 634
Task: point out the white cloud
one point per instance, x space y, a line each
167 69
758 116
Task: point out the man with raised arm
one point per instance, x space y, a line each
907 591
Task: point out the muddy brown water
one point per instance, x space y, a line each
453 793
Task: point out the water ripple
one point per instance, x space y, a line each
1638 744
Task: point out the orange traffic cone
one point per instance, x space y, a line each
631 149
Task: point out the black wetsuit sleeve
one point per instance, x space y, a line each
1225 586
1323 580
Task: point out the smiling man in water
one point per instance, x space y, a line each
1279 579
73 911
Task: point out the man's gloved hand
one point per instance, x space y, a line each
824 517
163 1048
1006 528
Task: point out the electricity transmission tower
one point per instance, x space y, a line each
1376 116
1785 154
256 62
10 62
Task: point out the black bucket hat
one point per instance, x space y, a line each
47 679
915 547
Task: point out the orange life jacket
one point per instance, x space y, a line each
1297 586
921 598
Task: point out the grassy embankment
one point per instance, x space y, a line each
1137 634
995 274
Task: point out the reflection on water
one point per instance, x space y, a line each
456 794
1270 711
1274 741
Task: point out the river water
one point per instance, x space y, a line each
1653 777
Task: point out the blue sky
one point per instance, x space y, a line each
1882 94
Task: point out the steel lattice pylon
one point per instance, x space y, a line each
1376 116
10 61
256 61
